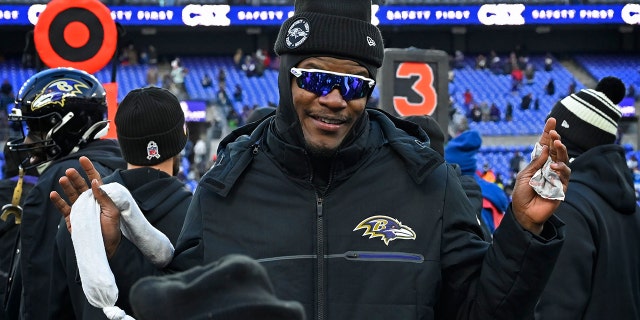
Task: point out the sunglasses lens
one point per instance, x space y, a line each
322 83
354 88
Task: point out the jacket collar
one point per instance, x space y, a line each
237 150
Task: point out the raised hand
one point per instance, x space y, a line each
73 184
530 209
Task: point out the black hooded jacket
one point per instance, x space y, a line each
388 234
40 220
258 200
164 201
597 275
9 230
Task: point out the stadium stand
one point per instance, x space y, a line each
496 88
257 90
485 85
625 67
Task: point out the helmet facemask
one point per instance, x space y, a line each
52 136
36 145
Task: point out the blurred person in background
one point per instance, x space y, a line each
463 151
597 274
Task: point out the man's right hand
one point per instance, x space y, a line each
73 184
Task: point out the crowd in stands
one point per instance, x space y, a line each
522 74
529 89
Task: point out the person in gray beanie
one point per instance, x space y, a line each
596 276
151 130
347 208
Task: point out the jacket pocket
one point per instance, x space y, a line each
384 256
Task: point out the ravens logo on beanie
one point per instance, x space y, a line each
333 28
150 125
589 118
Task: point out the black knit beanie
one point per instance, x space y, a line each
589 118
150 126
333 28
235 287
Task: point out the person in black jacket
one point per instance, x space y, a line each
597 273
151 130
348 209
11 199
65 110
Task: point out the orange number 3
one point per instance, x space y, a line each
423 86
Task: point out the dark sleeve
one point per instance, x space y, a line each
516 269
129 265
190 248
498 281
474 193
60 306
462 250
573 270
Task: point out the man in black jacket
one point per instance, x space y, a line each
597 273
11 199
151 130
349 209
66 112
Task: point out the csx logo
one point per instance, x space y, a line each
501 14
34 12
631 13
205 15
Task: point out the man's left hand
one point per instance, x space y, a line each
530 209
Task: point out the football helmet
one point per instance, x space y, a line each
63 109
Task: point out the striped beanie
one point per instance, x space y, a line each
589 118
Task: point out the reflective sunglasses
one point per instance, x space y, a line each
321 82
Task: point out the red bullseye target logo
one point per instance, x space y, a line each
79 34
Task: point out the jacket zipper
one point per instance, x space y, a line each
320 245
384 256
320 293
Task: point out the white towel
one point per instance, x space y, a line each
545 181
98 282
